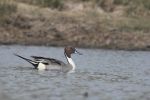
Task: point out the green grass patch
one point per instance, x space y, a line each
58 4
137 3
135 7
7 8
134 24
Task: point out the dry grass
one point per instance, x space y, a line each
6 9
58 4
85 23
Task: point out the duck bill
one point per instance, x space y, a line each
77 52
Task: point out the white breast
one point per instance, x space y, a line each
71 62
41 66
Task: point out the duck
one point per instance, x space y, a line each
44 63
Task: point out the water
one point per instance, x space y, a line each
100 75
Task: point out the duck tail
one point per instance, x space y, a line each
34 63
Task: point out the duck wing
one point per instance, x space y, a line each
48 61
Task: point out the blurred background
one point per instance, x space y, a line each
114 24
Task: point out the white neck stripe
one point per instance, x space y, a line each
71 62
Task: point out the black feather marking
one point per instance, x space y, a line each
52 60
34 63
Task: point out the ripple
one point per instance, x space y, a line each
100 74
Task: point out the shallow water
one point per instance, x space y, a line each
100 75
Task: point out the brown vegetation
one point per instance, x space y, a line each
114 24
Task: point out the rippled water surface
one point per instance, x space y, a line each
99 75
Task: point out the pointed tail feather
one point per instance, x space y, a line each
35 64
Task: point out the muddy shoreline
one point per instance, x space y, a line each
55 44
116 41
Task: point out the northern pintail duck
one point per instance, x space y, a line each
43 63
